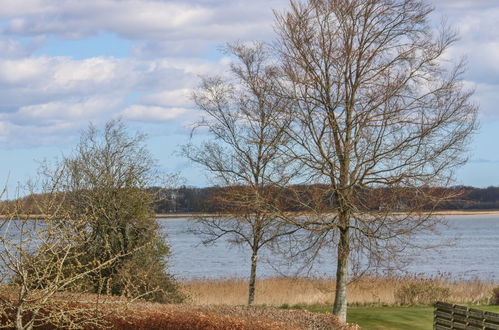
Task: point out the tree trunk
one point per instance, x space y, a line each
19 321
340 299
252 279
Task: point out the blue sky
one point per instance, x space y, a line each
64 63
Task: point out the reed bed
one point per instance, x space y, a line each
310 291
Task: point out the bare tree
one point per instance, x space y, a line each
93 233
245 120
105 181
43 256
378 114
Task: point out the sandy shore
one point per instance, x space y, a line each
194 215
442 212
467 212
184 215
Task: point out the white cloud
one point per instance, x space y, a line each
461 4
177 97
56 112
57 75
26 7
21 136
169 41
476 23
37 80
158 27
12 48
487 97
24 71
152 114
57 92
129 18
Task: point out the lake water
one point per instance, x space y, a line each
474 253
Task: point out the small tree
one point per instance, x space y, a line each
93 231
42 256
104 182
376 109
244 118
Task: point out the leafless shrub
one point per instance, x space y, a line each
495 296
93 232
423 292
40 260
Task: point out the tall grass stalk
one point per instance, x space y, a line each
309 291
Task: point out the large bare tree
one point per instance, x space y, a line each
379 112
247 127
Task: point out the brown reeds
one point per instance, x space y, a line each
309 291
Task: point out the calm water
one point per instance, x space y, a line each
474 253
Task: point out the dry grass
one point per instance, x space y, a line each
113 313
308 291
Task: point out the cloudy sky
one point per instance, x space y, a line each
64 63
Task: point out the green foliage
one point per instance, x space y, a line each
143 275
424 292
104 182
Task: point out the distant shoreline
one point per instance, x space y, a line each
442 212
466 212
206 215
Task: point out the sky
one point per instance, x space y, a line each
65 63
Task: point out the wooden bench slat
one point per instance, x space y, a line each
451 316
445 315
440 327
443 322
489 326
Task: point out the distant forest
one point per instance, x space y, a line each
214 199
193 200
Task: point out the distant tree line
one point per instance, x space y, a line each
196 200
187 199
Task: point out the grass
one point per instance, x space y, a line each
374 302
381 318
490 308
387 317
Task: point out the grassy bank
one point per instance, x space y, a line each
373 291
383 318
375 303
388 317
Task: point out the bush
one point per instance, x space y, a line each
144 276
104 184
495 296
423 292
